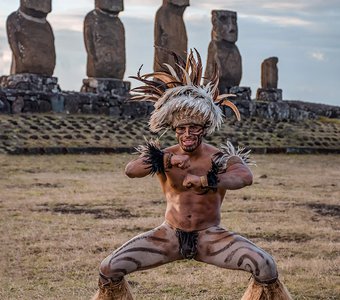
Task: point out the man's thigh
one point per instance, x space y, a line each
153 248
228 250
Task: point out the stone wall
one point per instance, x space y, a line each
31 93
19 101
13 101
318 109
279 111
285 110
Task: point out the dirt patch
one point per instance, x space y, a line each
281 236
322 209
31 171
98 250
38 184
78 209
136 229
48 185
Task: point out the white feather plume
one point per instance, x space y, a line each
228 150
194 100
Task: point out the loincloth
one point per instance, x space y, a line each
187 243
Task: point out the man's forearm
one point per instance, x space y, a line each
237 176
137 168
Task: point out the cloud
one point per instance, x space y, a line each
70 6
319 56
291 6
278 20
72 22
5 61
314 15
5 53
140 13
285 5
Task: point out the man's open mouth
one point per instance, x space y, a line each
188 142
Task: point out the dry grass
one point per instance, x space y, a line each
60 215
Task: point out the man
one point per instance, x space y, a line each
194 177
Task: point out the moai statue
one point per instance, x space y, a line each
31 38
170 33
224 54
104 37
223 51
269 73
269 81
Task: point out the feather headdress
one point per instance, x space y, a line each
180 98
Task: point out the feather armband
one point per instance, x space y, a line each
152 156
212 178
229 156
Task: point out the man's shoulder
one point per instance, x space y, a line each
210 148
172 149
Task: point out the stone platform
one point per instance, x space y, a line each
270 95
30 82
106 86
64 133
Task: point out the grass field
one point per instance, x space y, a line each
61 215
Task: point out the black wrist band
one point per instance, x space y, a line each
212 176
152 156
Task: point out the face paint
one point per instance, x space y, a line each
189 137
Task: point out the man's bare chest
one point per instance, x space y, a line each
176 176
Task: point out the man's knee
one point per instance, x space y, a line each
108 272
267 270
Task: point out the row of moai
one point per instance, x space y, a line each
31 40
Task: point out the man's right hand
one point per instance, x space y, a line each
180 161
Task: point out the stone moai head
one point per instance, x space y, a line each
224 26
33 7
110 6
177 2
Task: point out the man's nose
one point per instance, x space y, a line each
187 131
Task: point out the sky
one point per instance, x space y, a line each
304 35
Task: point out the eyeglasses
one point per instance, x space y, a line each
191 129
